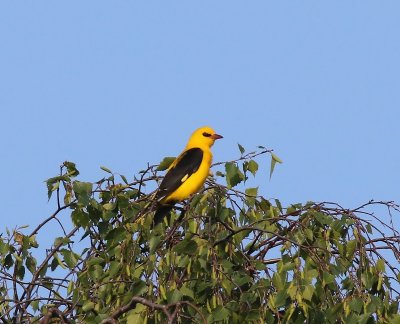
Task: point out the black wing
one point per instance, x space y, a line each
187 164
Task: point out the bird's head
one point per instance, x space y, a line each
203 136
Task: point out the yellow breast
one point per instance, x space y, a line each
193 183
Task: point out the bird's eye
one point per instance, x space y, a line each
206 134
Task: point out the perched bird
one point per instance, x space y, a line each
187 173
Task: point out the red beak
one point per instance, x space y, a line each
216 136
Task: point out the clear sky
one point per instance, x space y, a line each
124 83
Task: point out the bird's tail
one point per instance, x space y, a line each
161 212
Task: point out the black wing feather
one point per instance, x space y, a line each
188 163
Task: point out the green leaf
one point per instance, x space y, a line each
95 260
116 234
136 316
220 313
252 166
380 265
308 292
241 149
277 159
240 280
57 258
54 183
31 264
356 304
279 205
123 201
83 191
33 242
184 261
139 288
20 272
248 297
251 195
174 296
364 319
351 248
252 192
43 271
187 292
54 264
274 160
280 298
61 241
114 268
70 287
233 175
154 242
224 213
35 305
95 272
109 206
279 280
70 258
328 278
8 261
322 218
88 306
310 274
187 246
254 316
165 163
71 168
105 169
285 266
80 218
4 247
124 179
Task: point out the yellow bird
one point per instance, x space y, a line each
187 174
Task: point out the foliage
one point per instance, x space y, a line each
228 255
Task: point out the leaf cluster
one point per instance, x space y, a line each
226 255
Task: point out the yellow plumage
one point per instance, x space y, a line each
188 172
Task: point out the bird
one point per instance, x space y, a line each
187 173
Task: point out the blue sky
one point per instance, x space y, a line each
124 83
